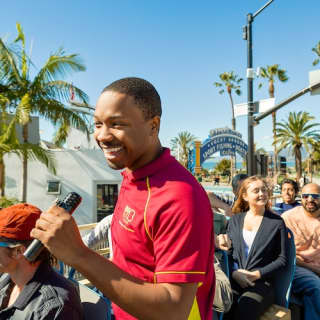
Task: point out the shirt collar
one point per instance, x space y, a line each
148 170
32 286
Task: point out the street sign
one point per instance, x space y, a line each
314 77
241 109
263 105
266 104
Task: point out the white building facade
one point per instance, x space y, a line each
81 168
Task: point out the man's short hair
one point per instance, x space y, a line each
292 182
236 180
143 92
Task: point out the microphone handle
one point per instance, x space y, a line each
69 203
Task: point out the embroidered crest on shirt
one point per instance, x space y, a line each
128 215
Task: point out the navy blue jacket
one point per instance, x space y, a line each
268 251
47 296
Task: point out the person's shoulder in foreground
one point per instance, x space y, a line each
31 290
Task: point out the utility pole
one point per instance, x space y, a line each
250 157
247 35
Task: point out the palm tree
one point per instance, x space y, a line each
316 50
231 82
45 94
271 73
223 166
9 143
296 133
181 145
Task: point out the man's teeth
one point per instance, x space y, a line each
113 149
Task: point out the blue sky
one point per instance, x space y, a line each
181 47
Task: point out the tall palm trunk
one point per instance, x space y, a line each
233 123
297 155
274 121
25 135
2 176
275 151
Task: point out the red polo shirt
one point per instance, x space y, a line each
162 231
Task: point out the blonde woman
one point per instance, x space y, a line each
256 238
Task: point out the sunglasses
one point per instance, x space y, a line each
8 245
315 196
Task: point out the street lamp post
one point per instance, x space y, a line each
250 75
250 157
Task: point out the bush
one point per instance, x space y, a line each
7 202
280 178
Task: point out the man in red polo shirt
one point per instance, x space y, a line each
162 229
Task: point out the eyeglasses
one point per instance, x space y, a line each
315 196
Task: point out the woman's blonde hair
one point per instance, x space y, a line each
242 205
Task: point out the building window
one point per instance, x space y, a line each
53 187
107 196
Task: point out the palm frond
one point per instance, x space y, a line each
59 66
60 90
24 110
8 64
230 81
35 152
316 50
20 37
61 135
315 62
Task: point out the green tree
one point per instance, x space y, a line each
316 50
271 73
7 202
45 94
224 167
9 143
296 133
314 159
181 145
230 83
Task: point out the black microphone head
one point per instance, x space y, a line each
70 202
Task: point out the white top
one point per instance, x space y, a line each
248 237
101 232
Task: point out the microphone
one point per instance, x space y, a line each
70 204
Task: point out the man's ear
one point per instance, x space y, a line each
155 125
19 251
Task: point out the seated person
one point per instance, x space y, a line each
219 203
100 233
289 190
223 297
31 290
304 222
257 240
220 223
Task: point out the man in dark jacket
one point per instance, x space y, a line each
289 190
